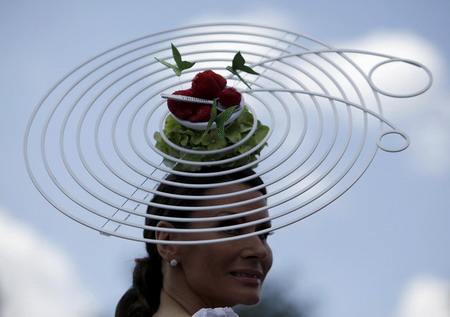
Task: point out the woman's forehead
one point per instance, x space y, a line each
232 188
234 220
226 210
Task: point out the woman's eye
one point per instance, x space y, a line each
233 232
229 223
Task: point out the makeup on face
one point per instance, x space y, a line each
243 230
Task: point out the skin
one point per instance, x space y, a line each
219 274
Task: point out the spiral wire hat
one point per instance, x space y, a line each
89 148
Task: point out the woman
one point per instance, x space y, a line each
181 280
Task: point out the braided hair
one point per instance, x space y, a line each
142 299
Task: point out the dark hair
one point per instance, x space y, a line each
143 298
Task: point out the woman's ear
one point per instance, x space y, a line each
167 251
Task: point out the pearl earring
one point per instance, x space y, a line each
173 263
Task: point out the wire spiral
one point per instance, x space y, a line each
89 148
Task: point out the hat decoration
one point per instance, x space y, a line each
309 123
211 121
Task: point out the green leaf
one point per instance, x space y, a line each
212 117
175 68
239 64
248 70
176 55
231 70
225 115
186 65
180 64
233 132
221 119
238 61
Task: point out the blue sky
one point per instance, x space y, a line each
358 257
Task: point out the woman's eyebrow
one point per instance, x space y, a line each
261 226
224 213
228 221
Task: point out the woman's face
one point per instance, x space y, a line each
232 272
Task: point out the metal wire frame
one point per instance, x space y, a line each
344 130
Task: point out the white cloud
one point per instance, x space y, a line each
402 44
424 118
425 297
36 278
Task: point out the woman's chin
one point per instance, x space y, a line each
241 299
249 300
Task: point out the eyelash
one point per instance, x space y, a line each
236 232
233 232
229 223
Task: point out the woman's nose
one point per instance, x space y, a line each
254 247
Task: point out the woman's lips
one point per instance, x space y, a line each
248 276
